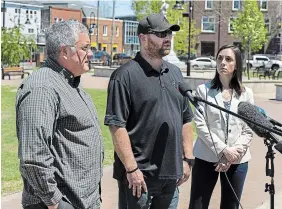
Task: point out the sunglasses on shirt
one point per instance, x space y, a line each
161 34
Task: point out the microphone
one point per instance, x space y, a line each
186 91
274 122
251 112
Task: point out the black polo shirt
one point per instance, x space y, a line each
148 104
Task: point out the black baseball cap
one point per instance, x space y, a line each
155 23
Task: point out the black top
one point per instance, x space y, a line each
149 105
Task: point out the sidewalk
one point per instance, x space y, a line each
253 196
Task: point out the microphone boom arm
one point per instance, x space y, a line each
276 131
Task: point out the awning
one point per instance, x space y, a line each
93 44
104 45
115 45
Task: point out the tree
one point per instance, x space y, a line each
144 8
181 37
249 28
15 46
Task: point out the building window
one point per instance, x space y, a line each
208 4
30 30
16 10
35 12
236 4
230 26
117 31
208 24
267 25
105 30
263 5
26 11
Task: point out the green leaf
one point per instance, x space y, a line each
15 46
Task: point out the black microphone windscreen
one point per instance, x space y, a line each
184 87
250 112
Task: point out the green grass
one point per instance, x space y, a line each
11 179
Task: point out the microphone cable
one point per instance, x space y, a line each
217 154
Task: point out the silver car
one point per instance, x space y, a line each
203 62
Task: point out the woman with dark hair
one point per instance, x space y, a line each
222 146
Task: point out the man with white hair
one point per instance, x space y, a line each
60 141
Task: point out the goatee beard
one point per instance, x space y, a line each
164 52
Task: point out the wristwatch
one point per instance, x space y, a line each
190 162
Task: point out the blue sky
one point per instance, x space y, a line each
123 7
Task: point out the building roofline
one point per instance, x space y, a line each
65 9
22 4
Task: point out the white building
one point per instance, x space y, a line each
24 14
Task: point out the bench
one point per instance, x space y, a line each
277 74
9 71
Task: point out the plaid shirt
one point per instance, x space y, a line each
60 142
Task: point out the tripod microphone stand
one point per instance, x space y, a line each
269 141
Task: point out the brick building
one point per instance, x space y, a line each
105 33
52 14
213 18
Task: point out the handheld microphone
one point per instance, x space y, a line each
251 112
274 122
186 91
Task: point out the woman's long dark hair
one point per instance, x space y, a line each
236 81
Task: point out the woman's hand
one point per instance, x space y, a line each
223 165
232 154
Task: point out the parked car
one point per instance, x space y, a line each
184 57
203 62
102 57
121 58
258 61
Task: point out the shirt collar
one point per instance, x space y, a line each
147 67
54 65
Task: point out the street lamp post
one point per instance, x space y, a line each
178 6
91 31
91 26
4 12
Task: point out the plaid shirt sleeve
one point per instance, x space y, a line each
36 115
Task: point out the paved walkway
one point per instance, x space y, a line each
253 197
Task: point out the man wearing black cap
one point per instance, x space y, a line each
150 122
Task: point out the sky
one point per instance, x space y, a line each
123 7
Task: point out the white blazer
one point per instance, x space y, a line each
238 131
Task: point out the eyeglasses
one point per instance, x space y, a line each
86 48
161 34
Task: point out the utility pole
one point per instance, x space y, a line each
113 26
219 26
97 37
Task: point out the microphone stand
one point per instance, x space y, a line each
269 169
269 141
